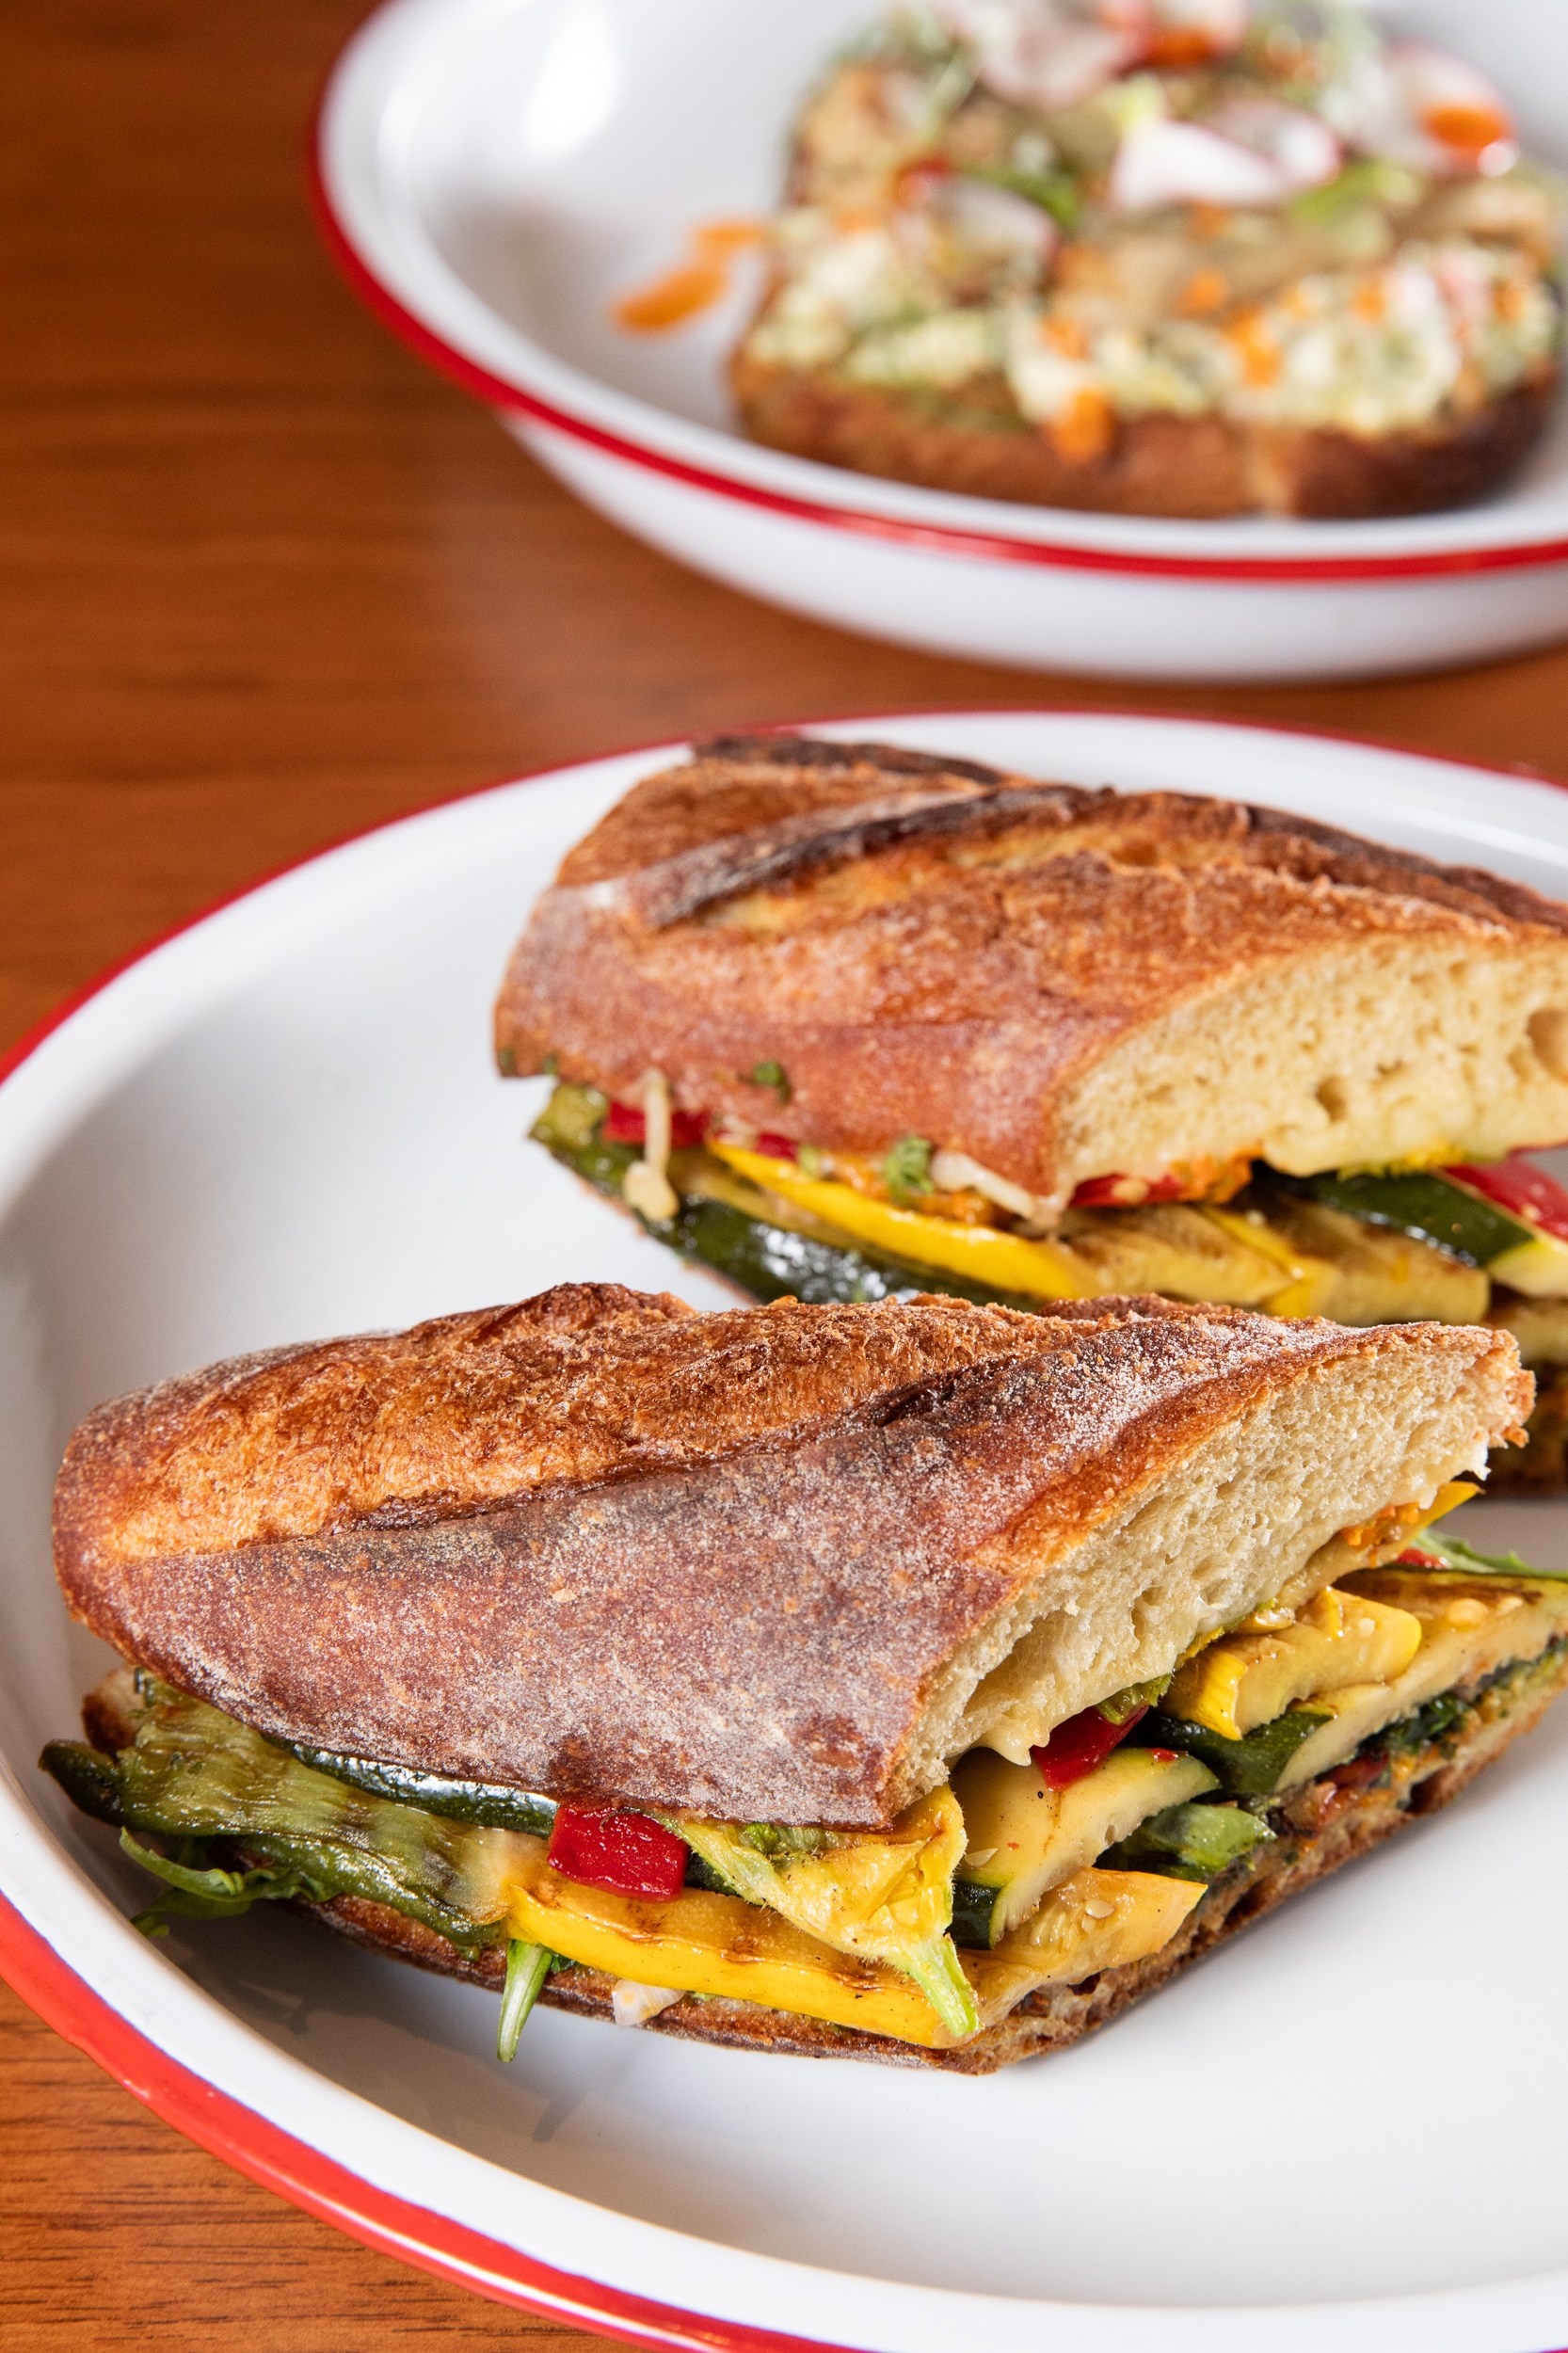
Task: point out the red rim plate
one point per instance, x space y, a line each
224 2126
514 399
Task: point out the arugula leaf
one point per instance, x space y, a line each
907 1169
1121 1705
1055 192
192 1893
527 1967
1453 1552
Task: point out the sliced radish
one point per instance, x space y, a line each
1164 162
1300 144
1041 53
994 222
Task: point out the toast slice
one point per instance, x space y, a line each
1226 276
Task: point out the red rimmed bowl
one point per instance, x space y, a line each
1352 2126
492 173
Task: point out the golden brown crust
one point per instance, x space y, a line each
719 1562
1330 1822
940 954
1204 468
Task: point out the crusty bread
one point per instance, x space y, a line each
1060 984
1203 467
783 1563
1326 1824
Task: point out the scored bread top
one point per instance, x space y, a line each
1060 983
757 1565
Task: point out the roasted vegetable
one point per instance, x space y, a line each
1246 1768
1191 1842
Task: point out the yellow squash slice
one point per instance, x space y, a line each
699 1943
1095 1920
883 1896
1247 1679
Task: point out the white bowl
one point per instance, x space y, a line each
492 172
1351 2125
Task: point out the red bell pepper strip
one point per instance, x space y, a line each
623 1123
631 1854
778 1148
1518 1186
1078 1746
1125 1193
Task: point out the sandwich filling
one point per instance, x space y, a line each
1063 216
1463 1243
1037 1863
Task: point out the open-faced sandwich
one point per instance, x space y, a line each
914 1682
1171 257
849 1023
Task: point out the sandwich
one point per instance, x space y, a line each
919 1682
847 1021
1167 257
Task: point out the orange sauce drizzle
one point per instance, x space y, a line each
695 285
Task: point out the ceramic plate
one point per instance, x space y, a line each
284 1123
495 173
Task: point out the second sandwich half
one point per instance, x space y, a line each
848 1021
911 1681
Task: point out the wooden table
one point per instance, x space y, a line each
264 581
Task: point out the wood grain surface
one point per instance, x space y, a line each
264 581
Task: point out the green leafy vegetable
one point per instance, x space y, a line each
772 1074
195 1894
1121 1705
1193 1841
1370 180
571 1119
1055 192
527 1967
907 1169
1452 1552
784 1839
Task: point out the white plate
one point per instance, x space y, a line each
493 172
283 1123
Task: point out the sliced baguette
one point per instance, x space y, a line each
782 1564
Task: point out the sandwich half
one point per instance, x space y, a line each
917 1682
848 1021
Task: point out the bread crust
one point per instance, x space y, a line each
939 950
1204 468
717 1562
1331 1822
